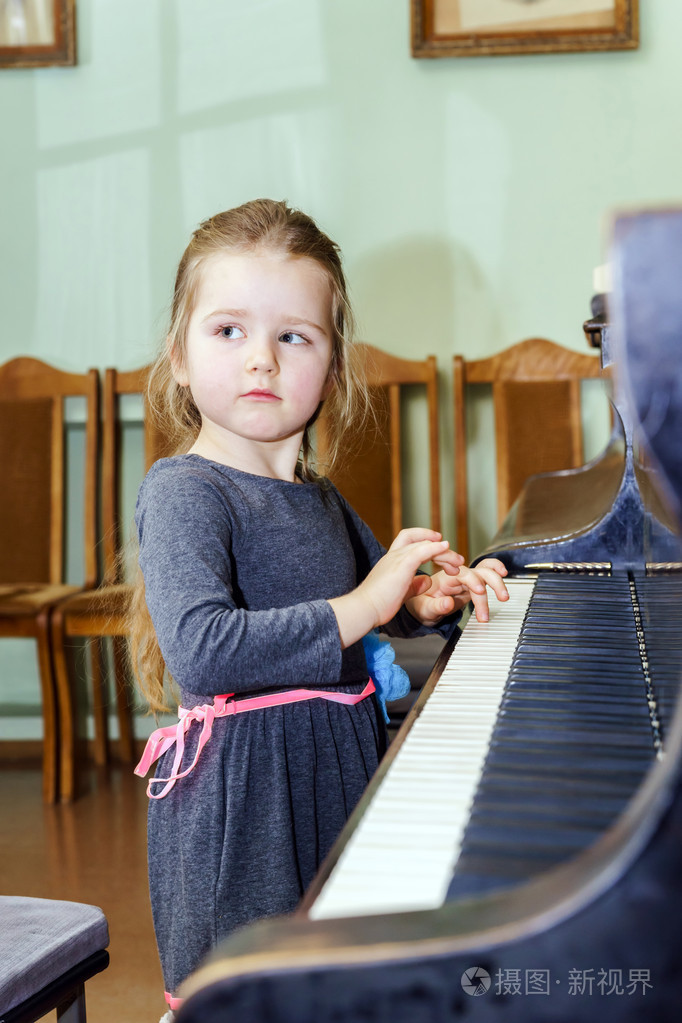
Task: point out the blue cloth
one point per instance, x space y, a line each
392 683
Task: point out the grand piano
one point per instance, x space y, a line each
518 855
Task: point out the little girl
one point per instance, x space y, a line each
259 584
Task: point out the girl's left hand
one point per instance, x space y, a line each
450 592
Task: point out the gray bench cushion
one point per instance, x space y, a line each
40 939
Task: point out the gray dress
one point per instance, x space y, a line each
238 572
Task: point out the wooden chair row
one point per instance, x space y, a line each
537 409
100 612
36 601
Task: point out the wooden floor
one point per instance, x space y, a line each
92 851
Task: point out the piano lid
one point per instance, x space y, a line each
648 309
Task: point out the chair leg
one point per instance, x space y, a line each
73 1010
65 710
99 703
125 715
50 713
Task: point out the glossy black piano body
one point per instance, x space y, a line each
609 511
598 937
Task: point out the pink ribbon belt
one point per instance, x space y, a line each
223 706
174 1004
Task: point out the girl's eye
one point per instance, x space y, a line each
290 338
232 333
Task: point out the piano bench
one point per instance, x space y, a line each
48 949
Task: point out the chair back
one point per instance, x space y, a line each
536 390
118 383
33 456
370 475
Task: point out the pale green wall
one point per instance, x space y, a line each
467 195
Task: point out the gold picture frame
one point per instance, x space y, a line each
478 28
37 33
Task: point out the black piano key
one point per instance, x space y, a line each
545 808
554 758
561 688
574 740
555 780
615 662
550 816
573 708
595 789
526 709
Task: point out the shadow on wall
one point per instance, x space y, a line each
427 296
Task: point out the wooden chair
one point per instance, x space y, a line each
371 479
101 612
371 475
32 521
536 387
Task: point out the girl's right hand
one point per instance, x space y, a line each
392 581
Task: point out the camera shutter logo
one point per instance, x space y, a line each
476 980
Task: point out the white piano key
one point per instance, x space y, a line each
402 853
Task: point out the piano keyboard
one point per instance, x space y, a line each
578 728
402 853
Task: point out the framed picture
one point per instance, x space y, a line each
36 33
475 28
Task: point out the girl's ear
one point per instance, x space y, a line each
177 362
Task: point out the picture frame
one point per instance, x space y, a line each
37 33
478 28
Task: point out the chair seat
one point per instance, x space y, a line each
41 940
19 599
107 601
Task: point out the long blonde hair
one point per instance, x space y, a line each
263 224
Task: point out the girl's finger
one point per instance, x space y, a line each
419 584
413 535
481 609
449 587
471 579
450 561
444 605
435 608
494 564
427 550
496 584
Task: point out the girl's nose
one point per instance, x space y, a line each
261 356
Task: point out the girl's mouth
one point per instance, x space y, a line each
258 394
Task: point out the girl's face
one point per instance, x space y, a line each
259 349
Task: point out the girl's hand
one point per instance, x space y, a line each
392 582
447 593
